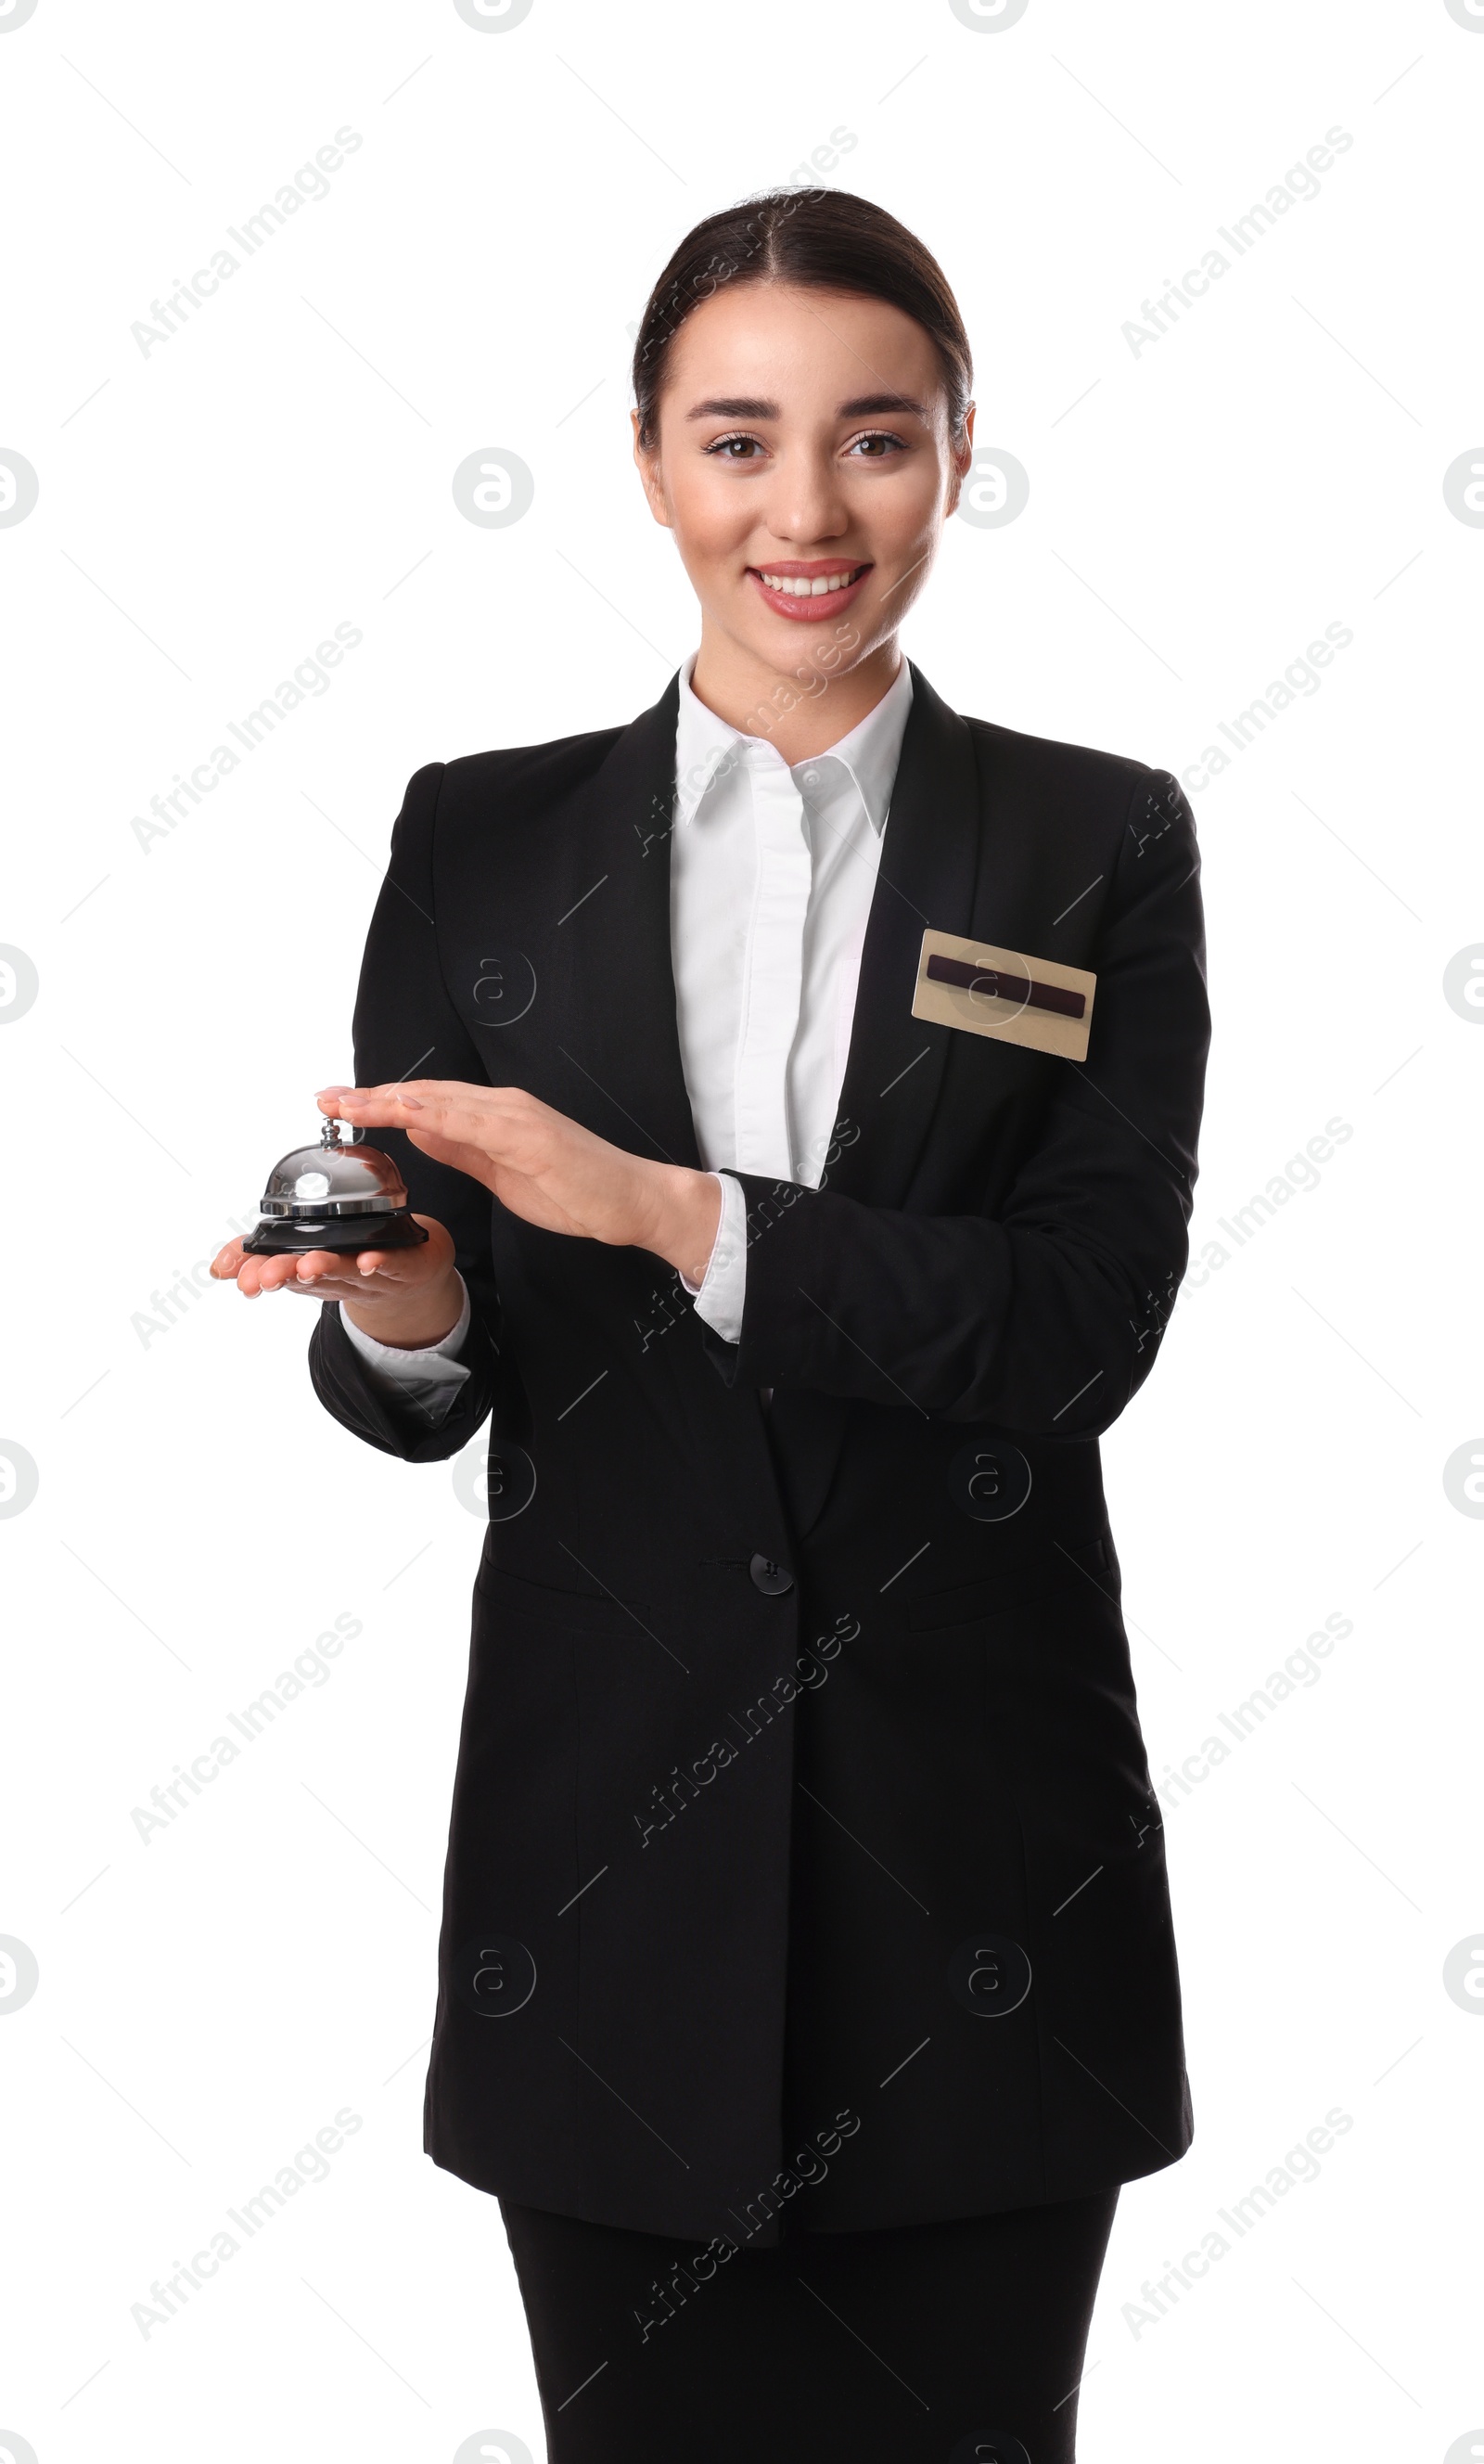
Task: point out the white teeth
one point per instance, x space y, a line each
795 585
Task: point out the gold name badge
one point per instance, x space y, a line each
1005 994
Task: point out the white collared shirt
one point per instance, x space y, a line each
773 869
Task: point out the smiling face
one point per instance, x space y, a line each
805 466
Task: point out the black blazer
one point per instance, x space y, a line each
802 1828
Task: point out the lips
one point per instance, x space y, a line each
809 593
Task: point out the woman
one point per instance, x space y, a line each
807 1982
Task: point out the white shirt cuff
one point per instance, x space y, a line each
430 1374
721 1290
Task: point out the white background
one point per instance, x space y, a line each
1199 512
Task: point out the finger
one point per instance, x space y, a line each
227 1265
468 1129
306 1267
269 1274
442 1099
311 1271
491 1124
344 1271
358 1105
316 1266
374 1108
401 1267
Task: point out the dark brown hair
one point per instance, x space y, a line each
822 238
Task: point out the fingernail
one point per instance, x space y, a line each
413 1102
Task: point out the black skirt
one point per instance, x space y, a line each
959 2343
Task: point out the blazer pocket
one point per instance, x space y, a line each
541 1604
1053 1566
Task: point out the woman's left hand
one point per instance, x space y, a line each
546 1169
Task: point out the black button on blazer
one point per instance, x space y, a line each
857 1881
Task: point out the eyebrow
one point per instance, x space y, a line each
753 406
734 407
866 404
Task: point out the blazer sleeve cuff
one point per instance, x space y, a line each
392 1417
430 1374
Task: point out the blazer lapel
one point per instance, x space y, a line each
929 867
612 951
894 1069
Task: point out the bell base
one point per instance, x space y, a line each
281 1237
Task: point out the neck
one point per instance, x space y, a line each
756 698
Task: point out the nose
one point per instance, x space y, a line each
806 505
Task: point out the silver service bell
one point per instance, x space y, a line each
340 1195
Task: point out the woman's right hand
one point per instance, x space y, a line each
403 1297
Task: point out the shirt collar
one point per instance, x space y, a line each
707 747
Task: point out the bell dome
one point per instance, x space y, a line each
341 1176
339 1194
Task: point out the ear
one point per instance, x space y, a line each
962 463
646 461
